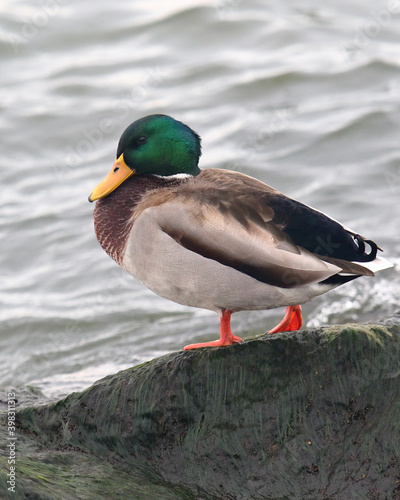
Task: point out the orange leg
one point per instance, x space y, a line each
227 337
291 322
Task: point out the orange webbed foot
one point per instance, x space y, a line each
214 343
292 320
226 335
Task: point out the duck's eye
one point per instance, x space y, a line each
142 139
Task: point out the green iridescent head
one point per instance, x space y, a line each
158 144
155 144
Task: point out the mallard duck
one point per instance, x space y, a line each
218 239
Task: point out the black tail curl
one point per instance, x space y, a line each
362 256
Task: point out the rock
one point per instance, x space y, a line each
312 415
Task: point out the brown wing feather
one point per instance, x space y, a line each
223 216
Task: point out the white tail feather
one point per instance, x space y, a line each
378 264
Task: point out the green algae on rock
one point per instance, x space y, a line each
305 415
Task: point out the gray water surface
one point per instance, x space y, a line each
304 97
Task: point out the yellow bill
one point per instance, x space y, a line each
117 175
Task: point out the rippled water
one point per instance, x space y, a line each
305 97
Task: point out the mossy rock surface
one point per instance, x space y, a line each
309 415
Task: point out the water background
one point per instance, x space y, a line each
304 96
